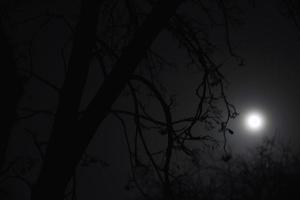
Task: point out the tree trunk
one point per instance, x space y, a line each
51 184
11 90
70 139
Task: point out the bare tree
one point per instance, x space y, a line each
130 65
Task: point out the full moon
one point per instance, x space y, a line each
254 121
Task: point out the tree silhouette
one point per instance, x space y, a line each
11 87
291 10
269 171
130 66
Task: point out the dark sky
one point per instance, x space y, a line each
269 81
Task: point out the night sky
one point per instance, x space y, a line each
267 81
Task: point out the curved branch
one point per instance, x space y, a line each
170 130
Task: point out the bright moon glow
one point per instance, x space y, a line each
254 121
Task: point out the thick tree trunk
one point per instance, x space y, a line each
113 85
70 139
11 90
51 184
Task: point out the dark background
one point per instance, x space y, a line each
267 41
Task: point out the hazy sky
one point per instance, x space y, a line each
270 80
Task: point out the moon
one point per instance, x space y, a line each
254 121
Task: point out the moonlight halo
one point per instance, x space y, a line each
254 121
